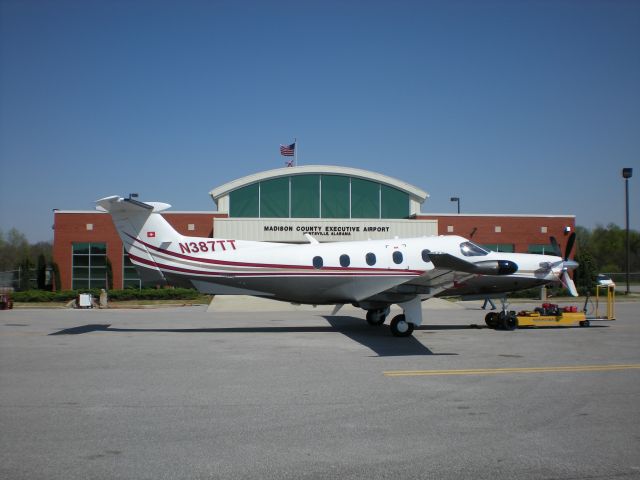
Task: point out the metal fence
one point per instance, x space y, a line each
620 279
22 279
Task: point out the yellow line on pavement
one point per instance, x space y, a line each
494 371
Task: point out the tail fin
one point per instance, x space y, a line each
141 229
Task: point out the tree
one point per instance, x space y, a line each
14 247
25 267
586 272
607 248
41 270
57 283
17 254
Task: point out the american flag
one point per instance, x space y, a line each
288 150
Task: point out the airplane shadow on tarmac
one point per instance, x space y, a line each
378 339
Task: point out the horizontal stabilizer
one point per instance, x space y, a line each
115 203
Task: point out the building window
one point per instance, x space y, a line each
541 249
318 196
130 278
397 257
191 227
345 261
274 198
498 229
89 265
305 196
89 226
365 199
500 247
371 259
244 202
449 228
334 196
543 229
393 203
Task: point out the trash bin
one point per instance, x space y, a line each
84 300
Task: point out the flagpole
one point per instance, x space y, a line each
295 152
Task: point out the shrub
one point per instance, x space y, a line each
128 294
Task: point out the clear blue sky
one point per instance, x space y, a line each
514 106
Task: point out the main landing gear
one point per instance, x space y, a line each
401 325
377 317
504 320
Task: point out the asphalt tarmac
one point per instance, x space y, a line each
182 393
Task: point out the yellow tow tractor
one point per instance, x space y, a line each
551 315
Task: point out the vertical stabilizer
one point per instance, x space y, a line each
143 231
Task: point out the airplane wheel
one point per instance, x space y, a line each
585 323
508 321
400 327
491 319
376 317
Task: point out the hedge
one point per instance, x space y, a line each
127 294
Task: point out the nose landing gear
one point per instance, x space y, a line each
400 327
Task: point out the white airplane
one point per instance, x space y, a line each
371 274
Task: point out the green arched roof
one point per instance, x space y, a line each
318 191
415 192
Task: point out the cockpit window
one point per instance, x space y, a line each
470 249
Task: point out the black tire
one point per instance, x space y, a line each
376 317
511 321
585 323
507 321
491 319
400 327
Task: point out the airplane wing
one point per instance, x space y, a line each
449 272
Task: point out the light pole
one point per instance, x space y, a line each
456 199
626 174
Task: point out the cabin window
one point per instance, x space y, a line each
345 261
470 249
425 255
317 262
371 259
397 257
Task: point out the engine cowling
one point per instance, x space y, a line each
496 267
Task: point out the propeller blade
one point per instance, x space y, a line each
568 282
556 247
569 247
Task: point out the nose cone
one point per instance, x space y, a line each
507 267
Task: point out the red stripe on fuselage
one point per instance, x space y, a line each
383 273
267 265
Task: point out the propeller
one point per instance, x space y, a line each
566 264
